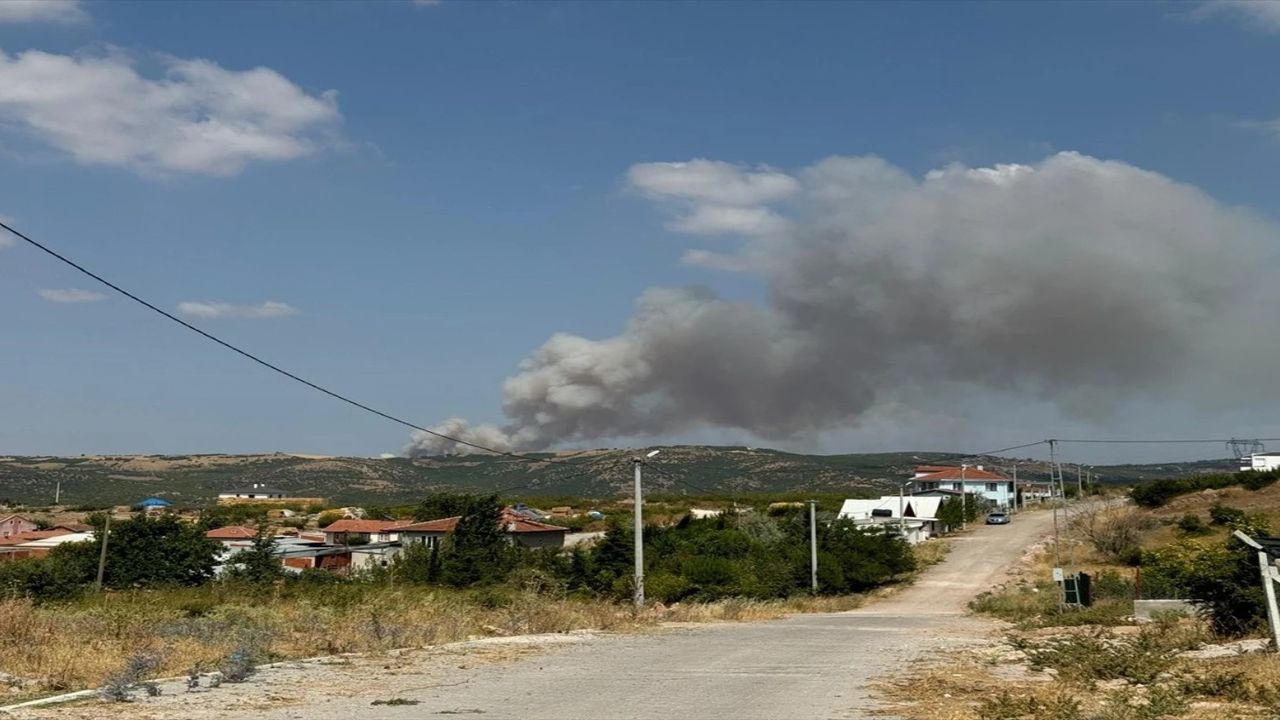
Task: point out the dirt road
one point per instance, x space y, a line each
804 666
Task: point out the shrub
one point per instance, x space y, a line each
119 686
1192 525
1221 514
1114 534
328 518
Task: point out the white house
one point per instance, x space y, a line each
975 480
256 491
916 516
1262 462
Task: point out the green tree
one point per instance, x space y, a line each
477 552
257 563
147 551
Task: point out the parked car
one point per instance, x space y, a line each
998 518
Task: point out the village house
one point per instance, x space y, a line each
261 493
350 531
916 518
15 524
518 528
976 480
37 543
236 536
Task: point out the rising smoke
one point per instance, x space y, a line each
1071 280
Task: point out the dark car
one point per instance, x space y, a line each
997 518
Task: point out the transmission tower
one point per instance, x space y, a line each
1242 449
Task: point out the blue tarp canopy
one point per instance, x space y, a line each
155 502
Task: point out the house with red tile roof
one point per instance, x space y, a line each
975 480
520 530
352 531
37 543
232 534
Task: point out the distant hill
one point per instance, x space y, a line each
196 480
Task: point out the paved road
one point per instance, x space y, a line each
805 666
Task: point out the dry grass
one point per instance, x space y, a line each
62 647
931 552
996 684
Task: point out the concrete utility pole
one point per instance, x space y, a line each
1053 463
813 545
639 532
902 520
964 498
1015 489
102 556
57 493
1079 482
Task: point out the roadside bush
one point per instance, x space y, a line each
1088 657
1114 534
1222 578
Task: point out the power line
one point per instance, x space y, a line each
1009 449
1107 441
270 366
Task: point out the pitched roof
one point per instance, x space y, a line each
444 525
351 525
7 518
912 507
511 521
517 523
232 532
23 537
972 473
73 527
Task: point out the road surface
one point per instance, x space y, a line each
805 666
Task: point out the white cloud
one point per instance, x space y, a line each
65 12
722 219
71 295
716 198
715 261
219 310
712 182
198 118
1263 15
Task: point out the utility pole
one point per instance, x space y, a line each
902 521
1053 463
639 532
57 493
102 556
964 498
813 545
1079 482
1015 488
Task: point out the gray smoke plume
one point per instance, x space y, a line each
1071 280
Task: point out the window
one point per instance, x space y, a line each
993 487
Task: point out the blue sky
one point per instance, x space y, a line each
464 193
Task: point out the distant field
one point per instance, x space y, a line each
195 480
